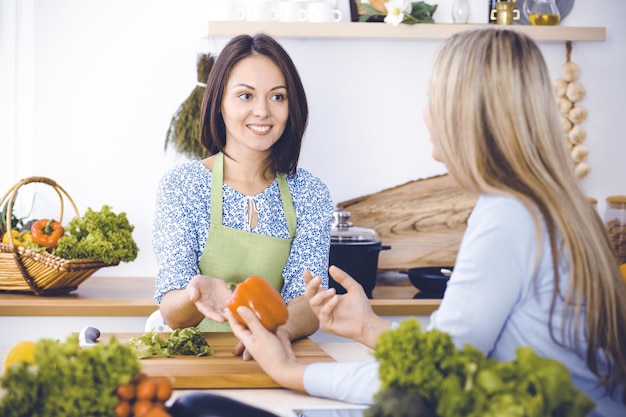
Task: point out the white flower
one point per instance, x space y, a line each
396 9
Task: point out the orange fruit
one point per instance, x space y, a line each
622 269
23 351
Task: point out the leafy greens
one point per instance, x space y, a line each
453 382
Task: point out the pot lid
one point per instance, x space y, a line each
342 229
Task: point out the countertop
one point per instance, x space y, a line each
279 399
120 297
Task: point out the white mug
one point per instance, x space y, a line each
260 11
224 10
322 11
290 11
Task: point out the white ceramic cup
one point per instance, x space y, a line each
260 11
291 11
322 11
224 10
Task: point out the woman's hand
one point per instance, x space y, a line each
348 315
210 296
272 352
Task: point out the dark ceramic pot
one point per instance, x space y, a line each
355 250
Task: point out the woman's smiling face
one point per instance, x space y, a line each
255 107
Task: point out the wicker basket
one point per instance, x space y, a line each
41 273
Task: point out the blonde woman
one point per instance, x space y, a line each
535 267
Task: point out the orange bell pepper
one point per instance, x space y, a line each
46 233
258 295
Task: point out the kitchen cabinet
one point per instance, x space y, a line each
422 31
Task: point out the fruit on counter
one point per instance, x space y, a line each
455 382
47 232
143 396
185 341
102 235
67 380
258 295
23 351
204 404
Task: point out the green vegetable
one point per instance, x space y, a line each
67 380
427 366
187 341
101 235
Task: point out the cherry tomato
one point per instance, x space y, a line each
126 391
146 389
163 389
141 407
122 409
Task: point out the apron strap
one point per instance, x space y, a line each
288 208
217 183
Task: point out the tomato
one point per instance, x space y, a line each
146 389
126 391
163 389
122 409
141 407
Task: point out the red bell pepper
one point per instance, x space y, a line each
258 295
46 233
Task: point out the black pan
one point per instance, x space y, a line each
429 280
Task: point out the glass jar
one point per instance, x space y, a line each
542 12
615 222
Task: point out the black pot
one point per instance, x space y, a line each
355 250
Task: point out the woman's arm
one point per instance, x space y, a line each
272 352
302 321
203 297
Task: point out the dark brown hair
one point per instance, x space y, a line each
286 151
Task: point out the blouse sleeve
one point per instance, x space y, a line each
175 233
353 382
311 245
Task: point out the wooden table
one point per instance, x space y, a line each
120 297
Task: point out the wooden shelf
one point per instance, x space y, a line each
422 31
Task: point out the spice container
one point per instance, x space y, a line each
615 221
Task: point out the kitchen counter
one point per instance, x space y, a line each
277 400
133 297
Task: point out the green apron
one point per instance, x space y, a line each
233 255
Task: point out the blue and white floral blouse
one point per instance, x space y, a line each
182 222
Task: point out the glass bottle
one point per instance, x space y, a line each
460 11
615 222
542 12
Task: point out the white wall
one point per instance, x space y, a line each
88 88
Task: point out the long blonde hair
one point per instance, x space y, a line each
496 126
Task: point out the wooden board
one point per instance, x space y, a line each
222 369
423 221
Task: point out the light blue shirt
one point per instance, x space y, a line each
491 302
182 221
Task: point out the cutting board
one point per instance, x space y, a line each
222 369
